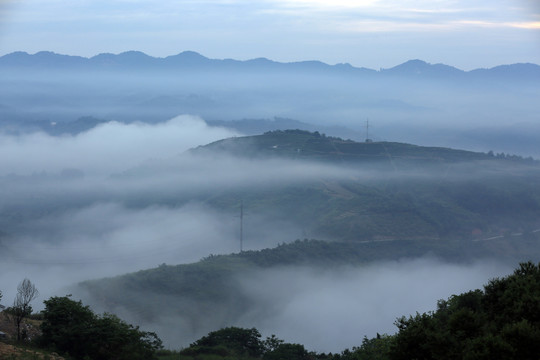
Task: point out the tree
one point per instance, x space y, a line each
377 348
73 328
26 292
66 325
501 322
272 343
287 351
232 341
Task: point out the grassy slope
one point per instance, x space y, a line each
18 352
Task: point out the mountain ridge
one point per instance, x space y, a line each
191 60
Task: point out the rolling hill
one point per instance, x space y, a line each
453 205
394 191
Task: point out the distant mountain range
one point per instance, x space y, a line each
414 102
190 60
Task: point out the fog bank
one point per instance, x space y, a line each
106 148
333 309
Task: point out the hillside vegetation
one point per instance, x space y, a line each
301 144
502 321
214 284
393 191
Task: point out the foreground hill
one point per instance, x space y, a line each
499 321
211 293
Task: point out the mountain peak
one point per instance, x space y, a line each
415 62
187 58
134 53
189 55
418 67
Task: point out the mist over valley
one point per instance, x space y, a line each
128 181
414 102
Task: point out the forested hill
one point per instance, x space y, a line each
389 190
301 144
214 285
455 205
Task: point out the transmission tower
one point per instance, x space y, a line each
241 225
368 140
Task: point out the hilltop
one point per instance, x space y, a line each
302 144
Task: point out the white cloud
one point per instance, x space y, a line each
330 310
106 239
107 148
328 5
397 16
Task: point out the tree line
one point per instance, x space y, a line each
74 330
500 321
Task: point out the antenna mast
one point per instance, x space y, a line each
241 225
367 129
368 140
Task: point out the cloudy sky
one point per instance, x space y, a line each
372 33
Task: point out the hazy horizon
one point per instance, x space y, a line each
300 60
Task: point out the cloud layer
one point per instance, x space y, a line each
105 149
332 310
124 197
65 219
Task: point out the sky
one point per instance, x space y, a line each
467 34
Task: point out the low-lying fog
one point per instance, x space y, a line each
70 211
326 310
86 206
120 198
482 113
333 310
